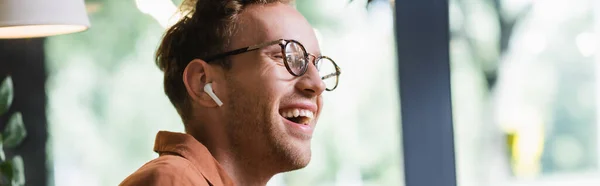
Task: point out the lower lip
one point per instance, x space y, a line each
298 130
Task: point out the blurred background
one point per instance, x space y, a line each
523 75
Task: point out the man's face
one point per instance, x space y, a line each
261 93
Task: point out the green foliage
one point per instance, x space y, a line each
14 132
18 170
2 155
6 95
11 172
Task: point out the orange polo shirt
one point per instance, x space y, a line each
182 161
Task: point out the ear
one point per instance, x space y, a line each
197 74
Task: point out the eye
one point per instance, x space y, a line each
276 55
278 58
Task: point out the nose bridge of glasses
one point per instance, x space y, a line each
313 60
326 79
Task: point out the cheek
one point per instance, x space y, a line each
266 79
275 78
276 71
319 104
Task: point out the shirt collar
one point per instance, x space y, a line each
189 148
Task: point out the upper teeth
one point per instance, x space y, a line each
292 113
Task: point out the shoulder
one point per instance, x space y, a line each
165 170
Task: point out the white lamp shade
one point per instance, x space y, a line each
40 18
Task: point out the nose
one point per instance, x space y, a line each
310 84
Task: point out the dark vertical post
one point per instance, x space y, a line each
422 36
23 59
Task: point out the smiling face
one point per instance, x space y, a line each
270 114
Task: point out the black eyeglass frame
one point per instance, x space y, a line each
283 43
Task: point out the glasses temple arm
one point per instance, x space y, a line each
241 50
222 55
337 73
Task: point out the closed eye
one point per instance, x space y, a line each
278 58
274 54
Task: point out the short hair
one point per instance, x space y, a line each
204 30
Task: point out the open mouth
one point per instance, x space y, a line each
298 116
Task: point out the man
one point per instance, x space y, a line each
246 78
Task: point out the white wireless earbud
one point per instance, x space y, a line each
208 89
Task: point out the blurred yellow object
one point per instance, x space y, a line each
41 18
526 145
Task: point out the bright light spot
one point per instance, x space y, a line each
534 42
31 31
163 11
552 11
586 42
516 4
381 17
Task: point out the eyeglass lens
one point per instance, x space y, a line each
297 61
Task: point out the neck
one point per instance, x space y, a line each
242 170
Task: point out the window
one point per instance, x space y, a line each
525 86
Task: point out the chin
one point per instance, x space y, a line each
298 154
291 142
297 162
303 160
292 153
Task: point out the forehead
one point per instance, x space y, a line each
262 23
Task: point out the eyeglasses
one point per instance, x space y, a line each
296 60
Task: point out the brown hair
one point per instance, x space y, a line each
205 29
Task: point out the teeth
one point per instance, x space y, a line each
292 113
309 114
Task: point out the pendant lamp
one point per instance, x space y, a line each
41 18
